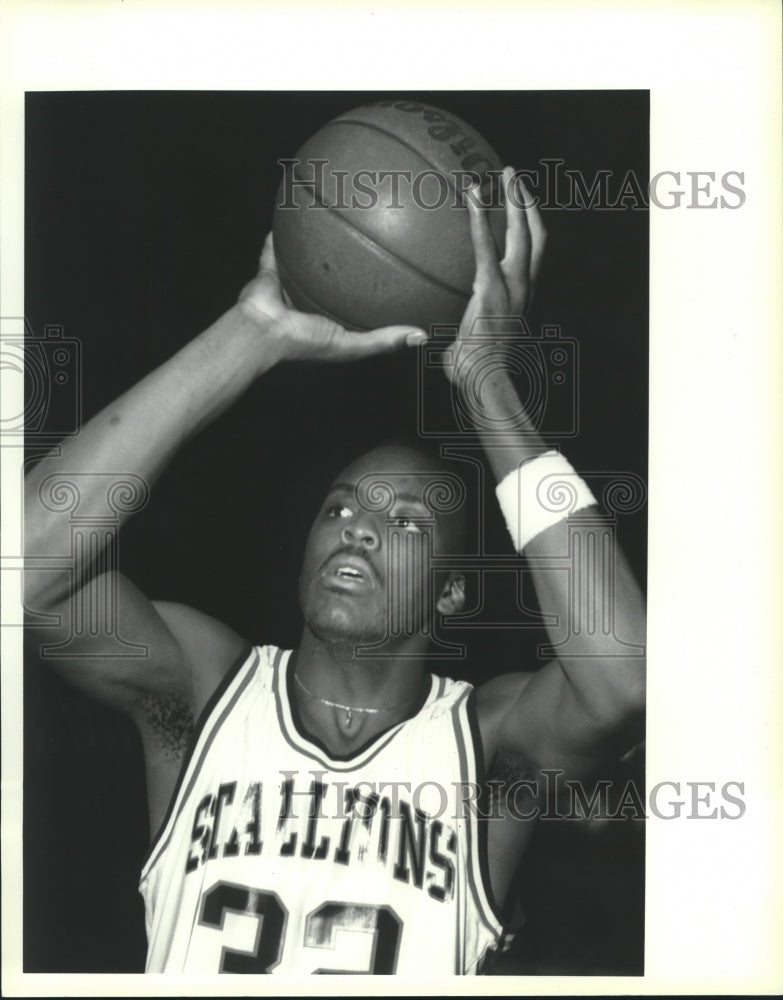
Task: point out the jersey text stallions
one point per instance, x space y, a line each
276 857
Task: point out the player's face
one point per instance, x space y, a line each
366 572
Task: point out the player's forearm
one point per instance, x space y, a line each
596 601
139 433
507 434
600 624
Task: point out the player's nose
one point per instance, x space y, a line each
361 531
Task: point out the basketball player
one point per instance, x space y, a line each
323 810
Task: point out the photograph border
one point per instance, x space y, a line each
715 351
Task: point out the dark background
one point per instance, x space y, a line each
145 214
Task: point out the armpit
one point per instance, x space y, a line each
512 786
507 766
169 724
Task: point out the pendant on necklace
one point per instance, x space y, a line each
348 716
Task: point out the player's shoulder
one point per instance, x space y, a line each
503 687
495 698
447 695
493 695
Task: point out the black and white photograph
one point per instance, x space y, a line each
277 607
335 452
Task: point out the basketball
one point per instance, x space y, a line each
370 224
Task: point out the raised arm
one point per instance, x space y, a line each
137 436
586 705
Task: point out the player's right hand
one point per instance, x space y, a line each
306 336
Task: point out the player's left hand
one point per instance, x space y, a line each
501 288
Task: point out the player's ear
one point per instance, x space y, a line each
452 596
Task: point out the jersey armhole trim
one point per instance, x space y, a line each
482 846
247 651
471 766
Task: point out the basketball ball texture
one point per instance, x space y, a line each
369 226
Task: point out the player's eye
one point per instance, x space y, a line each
339 510
406 523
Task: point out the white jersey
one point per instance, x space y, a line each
279 857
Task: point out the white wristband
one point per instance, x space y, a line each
540 493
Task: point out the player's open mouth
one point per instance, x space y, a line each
349 571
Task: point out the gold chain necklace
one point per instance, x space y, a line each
350 709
